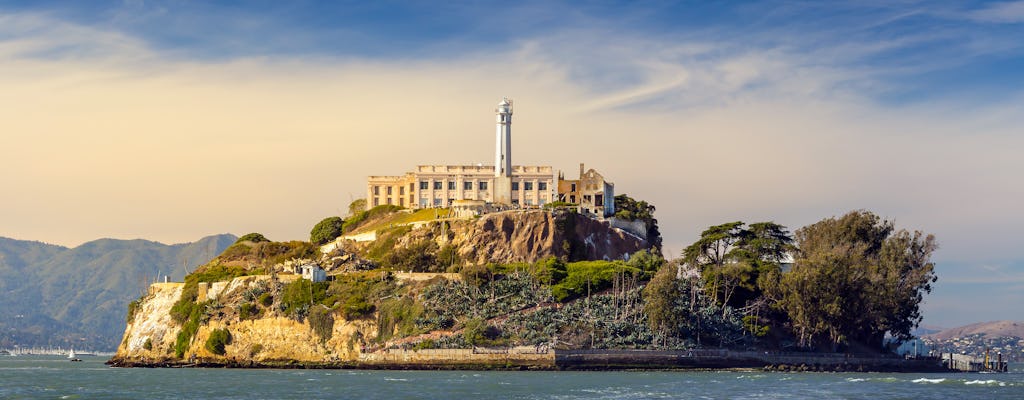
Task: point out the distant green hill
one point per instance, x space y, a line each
58 296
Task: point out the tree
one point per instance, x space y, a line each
356 206
252 237
326 230
633 210
679 309
854 280
738 263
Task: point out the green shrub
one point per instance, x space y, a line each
217 340
189 328
447 257
398 317
266 299
417 257
379 249
549 271
477 332
247 311
326 230
588 277
255 349
356 307
322 322
252 237
133 307
148 345
298 295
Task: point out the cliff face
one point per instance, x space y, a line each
528 236
150 336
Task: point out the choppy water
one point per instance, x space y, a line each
41 377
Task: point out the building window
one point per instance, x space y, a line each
423 185
401 190
450 202
423 203
573 188
451 185
412 187
483 185
515 185
542 185
376 201
389 191
411 201
599 199
389 201
572 199
437 202
527 185
467 185
376 190
401 201
438 185
529 202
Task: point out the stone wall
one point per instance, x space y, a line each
480 357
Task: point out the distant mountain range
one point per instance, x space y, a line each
58 296
991 329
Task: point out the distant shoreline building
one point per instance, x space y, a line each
502 185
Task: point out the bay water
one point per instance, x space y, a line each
52 377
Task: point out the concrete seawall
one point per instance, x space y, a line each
522 358
722 359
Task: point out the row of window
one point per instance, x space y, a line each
529 186
438 185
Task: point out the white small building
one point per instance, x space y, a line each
313 273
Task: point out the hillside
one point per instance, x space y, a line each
58 296
990 329
521 279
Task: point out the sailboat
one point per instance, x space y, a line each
72 357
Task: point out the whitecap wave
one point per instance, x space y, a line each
926 380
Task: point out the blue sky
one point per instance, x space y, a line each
715 111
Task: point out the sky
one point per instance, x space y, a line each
173 120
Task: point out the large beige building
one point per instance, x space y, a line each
441 185
502 184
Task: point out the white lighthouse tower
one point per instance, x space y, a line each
503 154
503 139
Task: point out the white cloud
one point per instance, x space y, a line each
1011 12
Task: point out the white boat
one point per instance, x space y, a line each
72 357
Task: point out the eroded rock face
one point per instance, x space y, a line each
529 236
267 339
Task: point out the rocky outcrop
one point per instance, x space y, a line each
525 236
272 339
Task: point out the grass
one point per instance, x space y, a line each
402 218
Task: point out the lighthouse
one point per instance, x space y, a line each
503 139
503 153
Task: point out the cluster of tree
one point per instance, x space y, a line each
852 280
630 209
